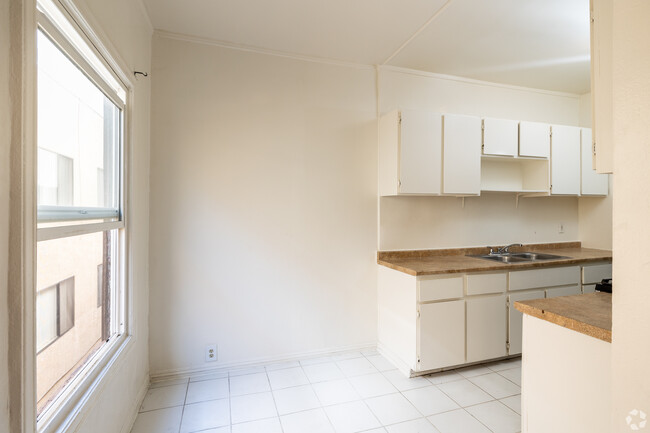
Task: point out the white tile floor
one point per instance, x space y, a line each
347 393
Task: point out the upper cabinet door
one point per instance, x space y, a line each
420 152
461 155
500 137
565 160
534 139
592 183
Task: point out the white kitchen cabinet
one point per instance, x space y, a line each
546 277
591 183
461 167
602 94
534 139
410 153
500 137
482 284
563 291
515 318
565 160
441 341
596 273
436 322
486 327
439 289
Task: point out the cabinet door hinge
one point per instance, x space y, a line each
399 118
507 346
399 183
417 314
593 148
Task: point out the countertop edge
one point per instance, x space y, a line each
566 322
496 266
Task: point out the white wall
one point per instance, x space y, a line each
263 204
434 222
492 219
631 301
5 121
594 213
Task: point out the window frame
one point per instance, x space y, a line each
76 399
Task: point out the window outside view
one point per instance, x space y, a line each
78 144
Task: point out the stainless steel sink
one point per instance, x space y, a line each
538 256
504 258
518 257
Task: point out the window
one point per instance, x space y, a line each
80 253
55 312
55 179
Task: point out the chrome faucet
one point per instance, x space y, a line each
506 249
495 251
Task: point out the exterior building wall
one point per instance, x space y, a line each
83 255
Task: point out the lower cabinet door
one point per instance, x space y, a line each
441 332
486 328
515 318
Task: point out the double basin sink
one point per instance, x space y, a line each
519 257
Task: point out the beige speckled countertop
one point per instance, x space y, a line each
432 262
589 314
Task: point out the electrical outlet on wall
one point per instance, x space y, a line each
560 228
210 352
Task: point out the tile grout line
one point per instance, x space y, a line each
229 404
187 389
463 407
483 422
275 404
364 401
508 378
419 411
322 407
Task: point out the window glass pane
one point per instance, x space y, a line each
78 135
46 323
70 265
48 181
66 305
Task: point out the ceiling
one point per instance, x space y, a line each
533 43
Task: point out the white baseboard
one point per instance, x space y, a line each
223 367
130 420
